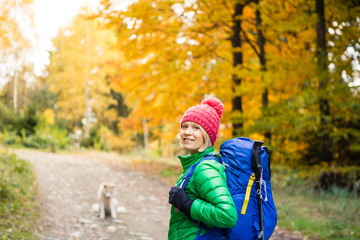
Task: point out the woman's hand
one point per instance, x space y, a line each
179 198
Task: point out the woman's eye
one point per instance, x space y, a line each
196 127
184 127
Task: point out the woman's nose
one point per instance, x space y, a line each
187 131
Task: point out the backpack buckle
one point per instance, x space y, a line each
226 166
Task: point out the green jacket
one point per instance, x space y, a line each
213 204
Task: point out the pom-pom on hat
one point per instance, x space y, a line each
207 115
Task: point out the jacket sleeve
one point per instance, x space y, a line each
215 206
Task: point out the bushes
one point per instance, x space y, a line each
346 178
29 130
10 138
56 138
7 118
320 177
17 199
102 138
49 136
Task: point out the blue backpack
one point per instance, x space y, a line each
247 167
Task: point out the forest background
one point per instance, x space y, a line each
119 79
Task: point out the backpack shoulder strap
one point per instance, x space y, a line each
211 157
192 168
187 177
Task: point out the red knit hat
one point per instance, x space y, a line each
207 115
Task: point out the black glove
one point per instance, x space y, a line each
179 198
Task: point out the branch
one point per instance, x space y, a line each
249 41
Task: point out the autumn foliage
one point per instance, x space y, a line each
178 51
286 71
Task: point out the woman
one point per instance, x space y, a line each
206 204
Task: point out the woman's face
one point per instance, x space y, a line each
191 136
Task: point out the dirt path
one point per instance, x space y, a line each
67 189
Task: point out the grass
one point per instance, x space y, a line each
317 214
18 207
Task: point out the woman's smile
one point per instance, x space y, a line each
188 140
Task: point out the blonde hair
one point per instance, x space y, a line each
207 140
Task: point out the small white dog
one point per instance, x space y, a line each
107 204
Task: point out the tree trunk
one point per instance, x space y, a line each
146 134
323 76
237 60
261 44
74 122
15 98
